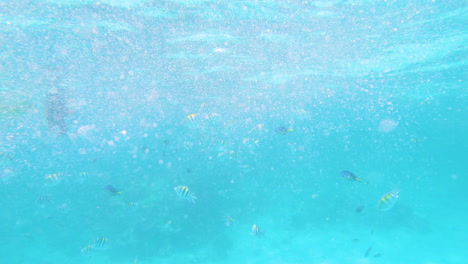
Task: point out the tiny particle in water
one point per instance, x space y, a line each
378 255
188 170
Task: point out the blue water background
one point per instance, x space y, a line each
374 87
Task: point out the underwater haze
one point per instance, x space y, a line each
236 132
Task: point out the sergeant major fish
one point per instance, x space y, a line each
256 231
185 193
387 201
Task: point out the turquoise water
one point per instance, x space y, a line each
257 107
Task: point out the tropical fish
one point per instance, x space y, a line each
112 190
83 177
56 111
256 231
4 157
54 179
63 208
101 243
192 117
43 201
227 155
194 120
88 250
27 236
350 176
250 142
229 221
368 251
387 201
282 130
133 206
359 209
212 119
185 193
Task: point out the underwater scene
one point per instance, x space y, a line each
236 132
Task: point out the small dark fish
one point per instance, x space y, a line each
350 176
378 255
283 130
359 209
112 190
368 251
355 240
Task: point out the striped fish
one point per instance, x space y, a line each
256 231
101 243
185 193
63 208
387 201
83 177
133 206
54 179
88 250
43 201
193 120
229 221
